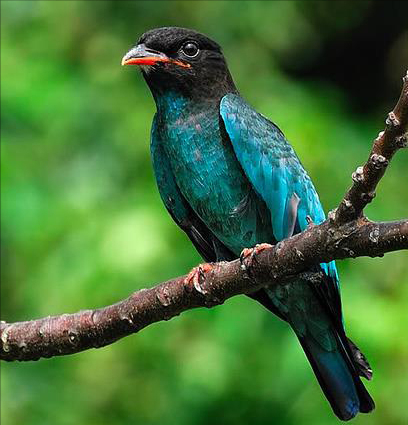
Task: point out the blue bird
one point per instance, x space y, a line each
230 180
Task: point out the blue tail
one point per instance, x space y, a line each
336 361
338 376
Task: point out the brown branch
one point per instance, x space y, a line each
366 178
72 333
346 234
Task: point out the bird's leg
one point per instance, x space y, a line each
248 256
194 278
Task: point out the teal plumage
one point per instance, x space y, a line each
231 180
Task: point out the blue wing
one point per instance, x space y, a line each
274 170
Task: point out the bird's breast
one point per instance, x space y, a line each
213 182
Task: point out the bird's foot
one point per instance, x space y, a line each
195 277
248 256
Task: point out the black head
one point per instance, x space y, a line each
181 60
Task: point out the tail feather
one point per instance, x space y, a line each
336 361
360 361
338 379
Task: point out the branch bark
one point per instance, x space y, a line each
345 234
366 178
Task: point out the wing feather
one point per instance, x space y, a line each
278 177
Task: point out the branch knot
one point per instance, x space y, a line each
402 141
378 161
358 175
392 120
367 197
163 296
380 136
374 235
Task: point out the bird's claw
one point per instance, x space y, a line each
309 220
194 278
248 256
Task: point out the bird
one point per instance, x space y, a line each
231 181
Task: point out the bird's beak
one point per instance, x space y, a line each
142 55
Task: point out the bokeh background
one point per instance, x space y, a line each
83 225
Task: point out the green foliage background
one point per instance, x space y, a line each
83 225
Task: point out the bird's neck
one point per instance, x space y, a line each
172 104
176 96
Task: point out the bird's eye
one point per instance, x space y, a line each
190 49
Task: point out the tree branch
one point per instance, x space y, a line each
366 178
71 333
346 234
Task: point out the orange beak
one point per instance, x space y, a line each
141 55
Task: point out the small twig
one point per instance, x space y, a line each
366 178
